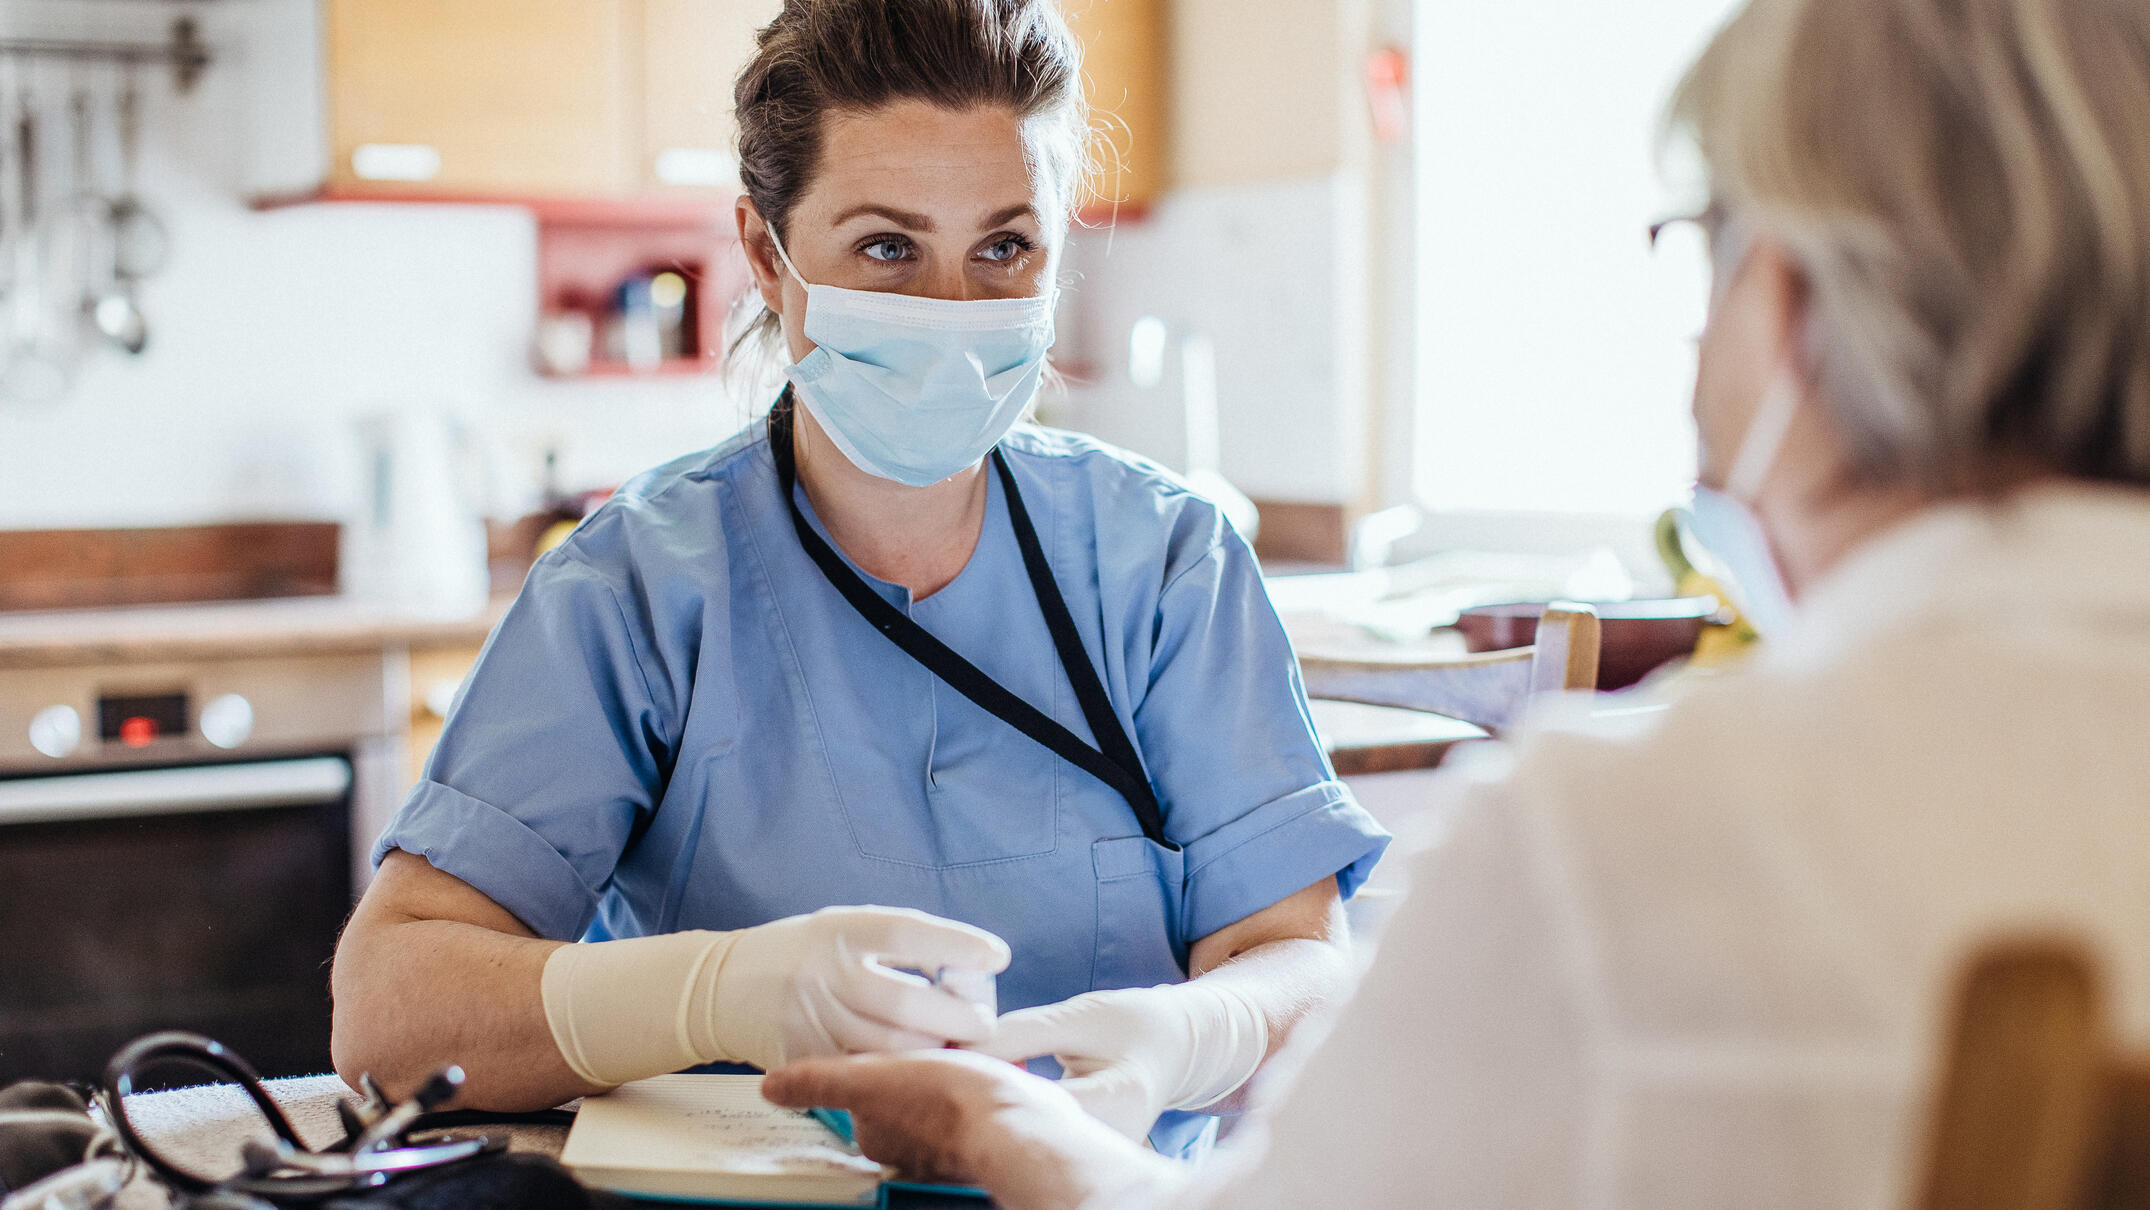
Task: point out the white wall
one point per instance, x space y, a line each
1271 273
1555 352
1265 244
272 330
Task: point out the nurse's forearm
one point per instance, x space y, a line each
466 995
415 992
1287 961
1286 981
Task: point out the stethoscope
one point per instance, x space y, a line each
375 1152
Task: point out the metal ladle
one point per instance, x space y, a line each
140 244
88 215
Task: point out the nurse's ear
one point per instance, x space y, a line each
760 251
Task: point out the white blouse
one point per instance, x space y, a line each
1701 957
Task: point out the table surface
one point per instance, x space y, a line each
202 1128
1363 739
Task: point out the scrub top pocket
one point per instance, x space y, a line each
1139 891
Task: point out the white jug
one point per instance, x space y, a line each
417 541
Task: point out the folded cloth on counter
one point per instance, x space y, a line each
43 1128
1402 603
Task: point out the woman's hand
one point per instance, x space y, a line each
1132 1054
954 1117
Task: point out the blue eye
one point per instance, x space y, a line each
886 248
1006 248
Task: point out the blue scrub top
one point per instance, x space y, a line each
681 725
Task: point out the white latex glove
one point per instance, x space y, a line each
827 984
1132 1054
819 984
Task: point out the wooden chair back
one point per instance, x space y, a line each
1489 689
2035 1108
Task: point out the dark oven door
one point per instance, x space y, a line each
202 897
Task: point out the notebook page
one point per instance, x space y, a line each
714 1134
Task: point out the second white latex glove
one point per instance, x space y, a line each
828 983
1131 1054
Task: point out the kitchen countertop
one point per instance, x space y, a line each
159 633
1360 739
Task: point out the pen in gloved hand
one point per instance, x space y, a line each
973 986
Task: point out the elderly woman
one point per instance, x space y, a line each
1700 959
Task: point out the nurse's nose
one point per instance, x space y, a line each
946 279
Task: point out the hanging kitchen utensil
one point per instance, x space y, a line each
84 227
109 306
36 372
10 218
141 243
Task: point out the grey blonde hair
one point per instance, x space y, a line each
1966 186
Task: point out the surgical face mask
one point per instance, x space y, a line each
1724 522
916 389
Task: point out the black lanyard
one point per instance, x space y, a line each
1117 764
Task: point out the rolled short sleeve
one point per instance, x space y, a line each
1231 748
552 756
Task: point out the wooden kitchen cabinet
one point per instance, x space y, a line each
609 98
535 97
478 96
1124 64
436 672
687 53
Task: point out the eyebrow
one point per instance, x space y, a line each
920 222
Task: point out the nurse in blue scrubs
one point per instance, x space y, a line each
795 738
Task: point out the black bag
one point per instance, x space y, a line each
505 1181
43 1128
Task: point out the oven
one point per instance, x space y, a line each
177 852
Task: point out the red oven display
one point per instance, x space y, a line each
139 721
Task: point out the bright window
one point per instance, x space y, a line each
1555 351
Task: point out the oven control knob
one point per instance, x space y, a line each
56 731
227 720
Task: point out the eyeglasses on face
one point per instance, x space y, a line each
1711 220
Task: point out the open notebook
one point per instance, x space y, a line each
712 1138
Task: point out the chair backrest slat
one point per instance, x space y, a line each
2019 1117
1564 655
1489 690
1486 690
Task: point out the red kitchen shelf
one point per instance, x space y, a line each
670 367
587 246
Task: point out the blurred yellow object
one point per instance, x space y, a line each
1721 643
554 534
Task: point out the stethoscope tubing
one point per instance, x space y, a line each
307 1174
192 1050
